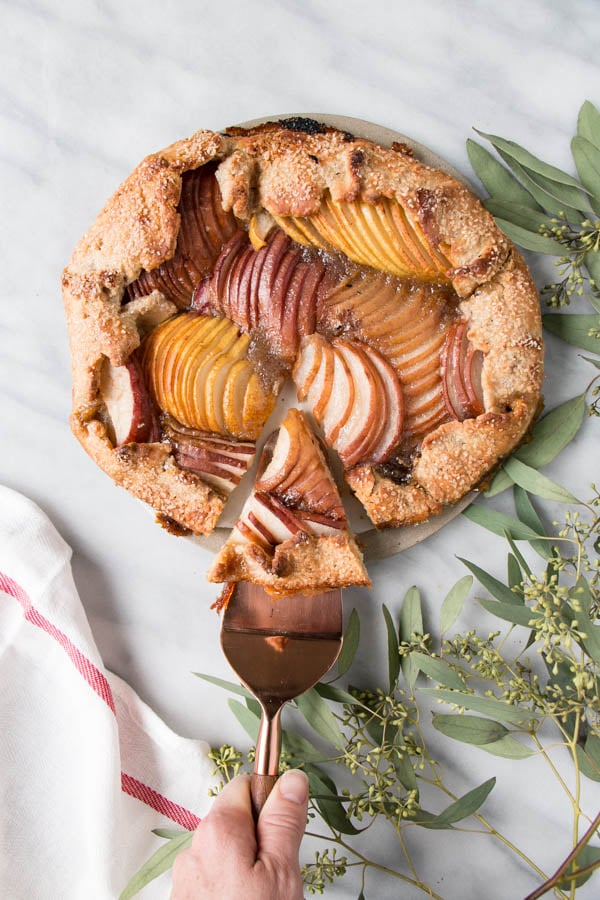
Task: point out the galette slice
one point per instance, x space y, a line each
292 535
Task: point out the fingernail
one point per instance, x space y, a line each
293 785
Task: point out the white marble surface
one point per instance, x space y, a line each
89 88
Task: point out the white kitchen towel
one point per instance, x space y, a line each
86 769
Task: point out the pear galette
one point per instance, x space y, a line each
228 263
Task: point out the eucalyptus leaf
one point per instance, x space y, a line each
300 749
586 765
587 160
403 766
503 525
529 161
517 615
319 716
592 748
513 572
553 433
336 694
411 623
591 641
487 706
519 556
493 585
169 833
508 747
574 329
392 642
533 481
528 218
525 509
329 805
429 820
496 179
469 729
249 721
546 193
588 123
530 240
349 644
500 482
438 670
464 807
454 602
254 706
594 362
582 594
158 863
226 685
587 856
592 263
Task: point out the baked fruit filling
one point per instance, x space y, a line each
230 263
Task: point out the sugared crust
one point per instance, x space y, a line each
388 503
303 565
287 173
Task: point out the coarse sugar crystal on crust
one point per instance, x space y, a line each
289 178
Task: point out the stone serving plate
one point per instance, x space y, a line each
376 544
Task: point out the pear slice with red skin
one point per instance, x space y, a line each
394 424
341 399
307 364
463 398
275 517
252 531
128 403
365 420
284 456
320 389
320 524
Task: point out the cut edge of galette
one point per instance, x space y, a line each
292 533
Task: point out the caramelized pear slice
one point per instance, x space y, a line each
199 372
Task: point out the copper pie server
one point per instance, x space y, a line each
278 649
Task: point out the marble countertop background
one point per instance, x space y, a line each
87 90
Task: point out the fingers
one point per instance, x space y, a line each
282 821
229 824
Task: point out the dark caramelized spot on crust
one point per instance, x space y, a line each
300 123
399 473
173 527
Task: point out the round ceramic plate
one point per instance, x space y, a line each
377 544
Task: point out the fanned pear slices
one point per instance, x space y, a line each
275 289
199 372
383 235
407 322
205 227
292 531
354 394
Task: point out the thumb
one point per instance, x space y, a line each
282 820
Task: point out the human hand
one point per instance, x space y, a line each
231 858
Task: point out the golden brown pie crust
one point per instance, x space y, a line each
287 173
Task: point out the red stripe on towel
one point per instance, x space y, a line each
94 677
99 683
147 795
